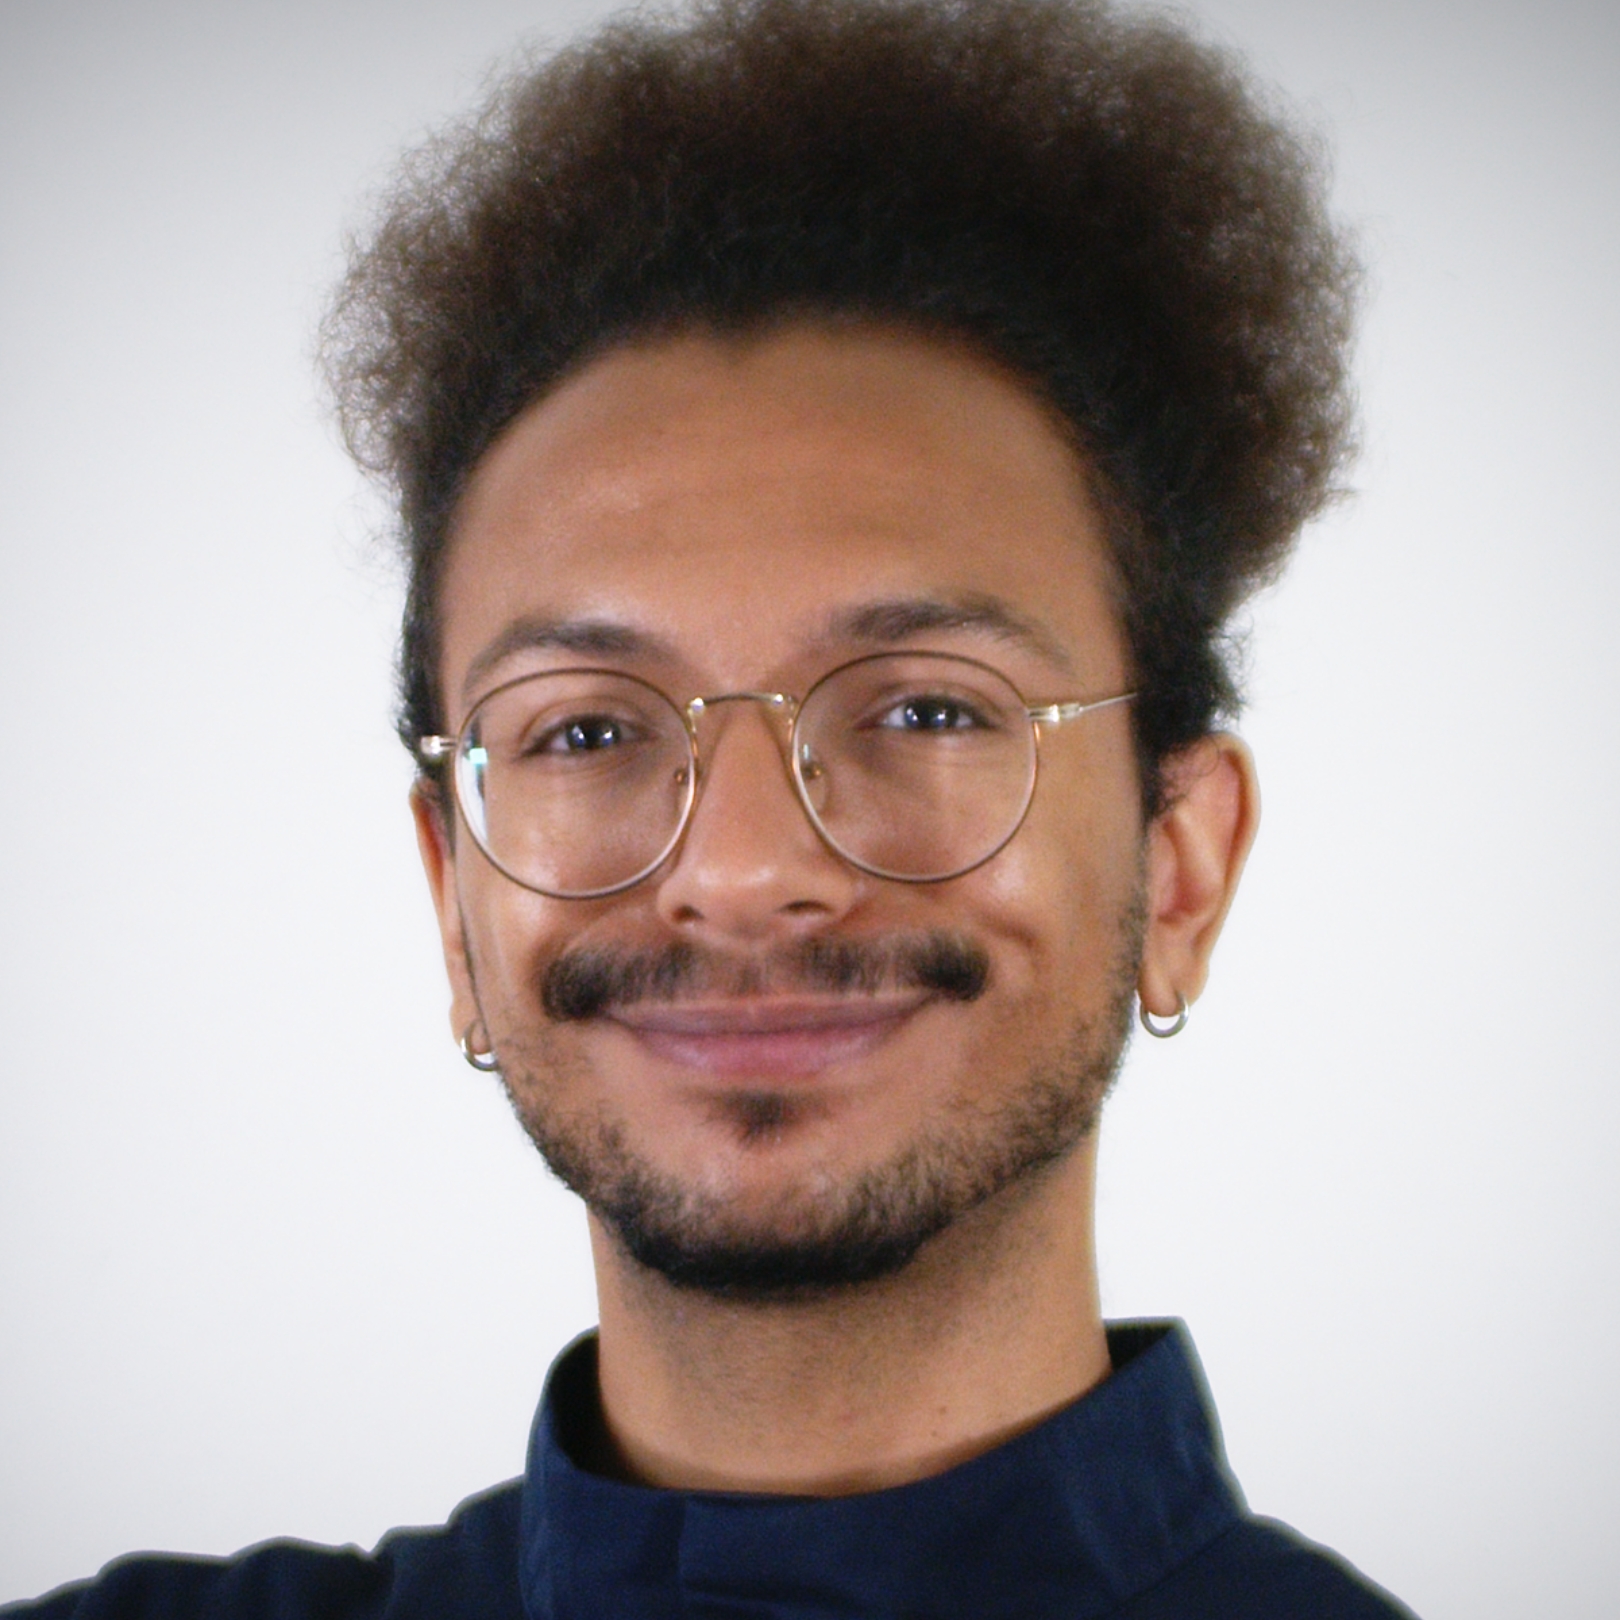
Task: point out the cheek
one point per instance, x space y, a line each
511 934
1062 890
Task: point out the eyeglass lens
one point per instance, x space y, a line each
914 766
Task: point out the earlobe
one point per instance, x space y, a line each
1196 848
439 863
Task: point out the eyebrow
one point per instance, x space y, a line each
900 618
594 638
874 624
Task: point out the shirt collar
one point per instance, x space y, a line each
1095 1503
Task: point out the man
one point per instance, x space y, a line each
830 439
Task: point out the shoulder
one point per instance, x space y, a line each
1261 1570
465 1568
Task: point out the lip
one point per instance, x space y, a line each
767 1038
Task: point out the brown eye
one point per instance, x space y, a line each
931 713
587 735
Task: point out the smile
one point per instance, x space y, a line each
768 1037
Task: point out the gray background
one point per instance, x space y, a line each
273 1261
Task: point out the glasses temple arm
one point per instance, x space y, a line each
1052 714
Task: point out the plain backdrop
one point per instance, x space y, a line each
273 1261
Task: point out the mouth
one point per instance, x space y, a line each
768 1037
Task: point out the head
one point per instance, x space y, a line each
728 348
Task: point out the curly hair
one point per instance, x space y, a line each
1095 200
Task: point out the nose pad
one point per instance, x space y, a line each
751 857
723 716
748 758
813 775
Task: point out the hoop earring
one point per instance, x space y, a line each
484 1062
1161 1032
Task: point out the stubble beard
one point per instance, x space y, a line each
871 1226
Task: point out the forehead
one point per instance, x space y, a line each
735 505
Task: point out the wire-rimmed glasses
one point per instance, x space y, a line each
915 766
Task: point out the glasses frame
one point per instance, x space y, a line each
434 752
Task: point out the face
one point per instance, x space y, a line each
762 1067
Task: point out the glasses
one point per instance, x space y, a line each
578 783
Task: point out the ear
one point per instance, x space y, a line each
1196 848
438 852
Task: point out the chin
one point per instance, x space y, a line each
772 1230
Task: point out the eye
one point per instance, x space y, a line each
582 734
931 712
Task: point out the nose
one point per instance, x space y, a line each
751 867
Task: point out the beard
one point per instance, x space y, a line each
872 1225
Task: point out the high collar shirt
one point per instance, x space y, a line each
1119 1505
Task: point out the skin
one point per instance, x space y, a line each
726 500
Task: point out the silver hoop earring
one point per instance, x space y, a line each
1162 1032
484 1062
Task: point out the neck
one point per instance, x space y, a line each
994 1325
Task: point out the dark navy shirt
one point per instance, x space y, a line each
1119 1505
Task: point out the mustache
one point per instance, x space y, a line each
593 980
